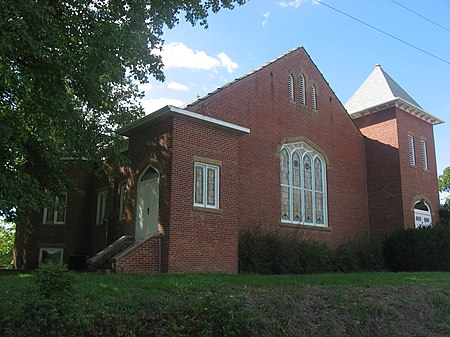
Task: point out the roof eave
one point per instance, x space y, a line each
402 104
174 111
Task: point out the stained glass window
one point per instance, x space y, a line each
303 185
296 187
211 186
199 184
285 185
206 185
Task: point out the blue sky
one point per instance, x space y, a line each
200 60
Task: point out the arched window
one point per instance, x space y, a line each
302 88
422 214
291 87
313 97
285 185
303 185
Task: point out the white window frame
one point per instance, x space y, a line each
291 88
423 145
41 249
412 152
205 189
56 211
304 150
101 206
122 201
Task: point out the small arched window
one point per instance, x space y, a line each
313 97
422 214
291 87
302 88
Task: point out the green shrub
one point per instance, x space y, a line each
422 249
53 280
358 254
266 252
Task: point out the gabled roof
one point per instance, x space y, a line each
246 75
169 110
380 91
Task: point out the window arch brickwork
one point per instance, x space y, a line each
303 185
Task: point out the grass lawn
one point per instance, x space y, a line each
357 304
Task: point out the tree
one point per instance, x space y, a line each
7 232
444 180
69 71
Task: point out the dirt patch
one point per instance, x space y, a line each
353 311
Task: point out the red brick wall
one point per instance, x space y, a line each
260 102
394 186
73 236
150 146
383 172
417 183
203 240
144 257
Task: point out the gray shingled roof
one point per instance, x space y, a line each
378 88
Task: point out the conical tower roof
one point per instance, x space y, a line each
380 91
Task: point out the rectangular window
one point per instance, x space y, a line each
50 255
122 201
101 206
206 185
56 214
412 155
423 145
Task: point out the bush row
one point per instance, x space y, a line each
267 252
422 249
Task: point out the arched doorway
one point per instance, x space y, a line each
422 214
147 203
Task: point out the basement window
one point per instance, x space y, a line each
50 255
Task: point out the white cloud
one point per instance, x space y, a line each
177 86
145 87
293 3
226 62
266 19
153 104
178 55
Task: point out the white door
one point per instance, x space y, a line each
147 204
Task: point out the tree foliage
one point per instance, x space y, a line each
7 234
444 180
68 78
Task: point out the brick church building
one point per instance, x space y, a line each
274 148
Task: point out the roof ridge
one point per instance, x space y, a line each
243 76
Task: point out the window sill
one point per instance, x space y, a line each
312 227
54 224
207 210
